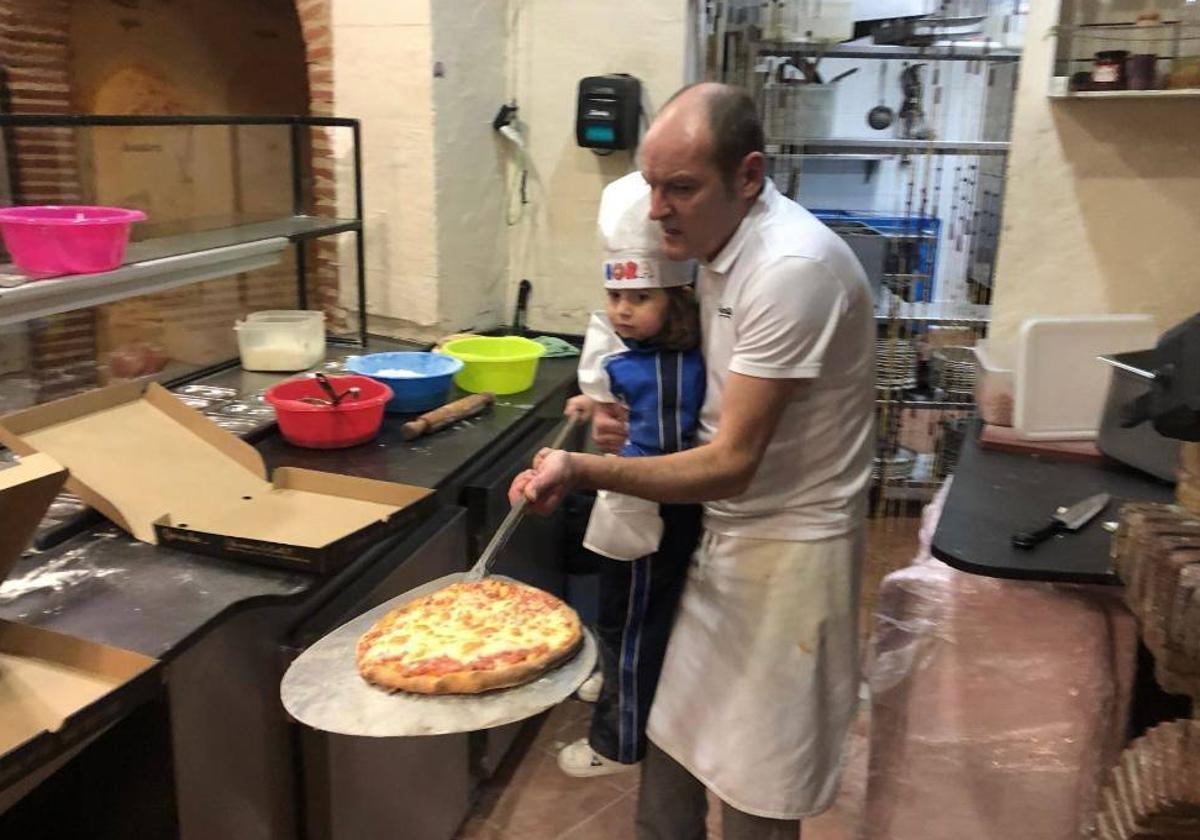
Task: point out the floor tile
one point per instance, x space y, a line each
568 726
562 729
625 782
476 828
614 822
540 802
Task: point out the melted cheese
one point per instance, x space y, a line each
472 626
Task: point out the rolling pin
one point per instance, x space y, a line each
442 417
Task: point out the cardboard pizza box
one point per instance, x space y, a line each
171 476
56 691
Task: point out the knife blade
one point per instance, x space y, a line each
1071 519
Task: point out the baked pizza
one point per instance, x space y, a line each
468 638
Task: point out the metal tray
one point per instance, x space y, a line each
322 688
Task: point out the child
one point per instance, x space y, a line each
643 353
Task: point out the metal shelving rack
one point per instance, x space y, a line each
965 51
168 262
914 321
1076 42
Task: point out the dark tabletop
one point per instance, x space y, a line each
435 460
996 493
106 587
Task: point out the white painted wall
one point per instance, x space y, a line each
383 59
1103 203
471 50
556 44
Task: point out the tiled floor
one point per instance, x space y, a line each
531 799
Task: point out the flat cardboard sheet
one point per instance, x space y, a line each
144 458
45 677
26 490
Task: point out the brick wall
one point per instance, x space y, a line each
324 270
34 51
34 43
34 37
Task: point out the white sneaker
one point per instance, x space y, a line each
589 692
582 762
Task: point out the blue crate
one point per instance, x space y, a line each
928 227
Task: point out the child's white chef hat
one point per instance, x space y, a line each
633 243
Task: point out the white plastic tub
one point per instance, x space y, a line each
281 340
1061 383
994 380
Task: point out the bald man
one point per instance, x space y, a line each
760 681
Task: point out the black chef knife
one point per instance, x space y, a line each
1071 519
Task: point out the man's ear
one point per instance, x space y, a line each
751 173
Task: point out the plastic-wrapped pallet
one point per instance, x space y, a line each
997 707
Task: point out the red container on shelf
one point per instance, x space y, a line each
351 422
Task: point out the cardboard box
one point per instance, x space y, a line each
55 690
170 476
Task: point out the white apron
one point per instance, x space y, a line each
760 682
621 527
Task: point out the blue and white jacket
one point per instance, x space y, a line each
664 391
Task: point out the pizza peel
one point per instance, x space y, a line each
323 689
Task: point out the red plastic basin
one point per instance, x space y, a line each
351 422
67 239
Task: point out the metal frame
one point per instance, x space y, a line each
953 52
296 123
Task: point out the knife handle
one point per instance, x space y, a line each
1029 539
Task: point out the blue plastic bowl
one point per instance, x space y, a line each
411 394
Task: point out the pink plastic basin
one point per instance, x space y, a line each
68 239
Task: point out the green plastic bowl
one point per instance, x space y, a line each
502 364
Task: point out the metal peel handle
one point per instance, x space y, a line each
505 531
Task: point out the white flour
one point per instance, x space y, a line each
282 355
52 576
398 373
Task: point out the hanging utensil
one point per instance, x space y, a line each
841 76
335 398
881 116
912 109
327 387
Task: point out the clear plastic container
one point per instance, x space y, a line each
796 113
281 340
994 381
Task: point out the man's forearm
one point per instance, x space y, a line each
703 474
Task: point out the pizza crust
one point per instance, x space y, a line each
380 667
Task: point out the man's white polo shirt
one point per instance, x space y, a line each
787 299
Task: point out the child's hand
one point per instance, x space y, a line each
580 406
610 427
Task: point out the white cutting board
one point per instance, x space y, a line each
1060 384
